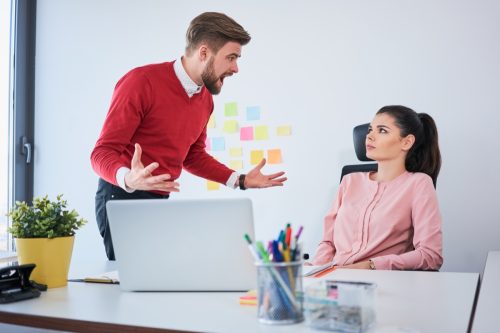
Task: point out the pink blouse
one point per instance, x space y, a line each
396 224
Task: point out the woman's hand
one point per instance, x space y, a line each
358 265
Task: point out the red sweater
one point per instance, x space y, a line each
150 107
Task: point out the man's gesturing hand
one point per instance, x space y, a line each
141 178
255 179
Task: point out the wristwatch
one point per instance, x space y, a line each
372 264
241 182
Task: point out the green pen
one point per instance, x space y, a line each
262 251
251 248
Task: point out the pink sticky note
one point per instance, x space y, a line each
246 133
207 144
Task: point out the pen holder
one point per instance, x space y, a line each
279 292
340 306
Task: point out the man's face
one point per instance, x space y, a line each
221 65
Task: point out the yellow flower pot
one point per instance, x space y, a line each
51 256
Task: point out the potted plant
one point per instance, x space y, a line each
44 234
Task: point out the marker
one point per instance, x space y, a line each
298 233
251 247
262 252
295 249
288 236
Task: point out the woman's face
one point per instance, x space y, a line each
384 141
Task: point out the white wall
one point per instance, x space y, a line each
321 66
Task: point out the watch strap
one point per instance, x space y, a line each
241 182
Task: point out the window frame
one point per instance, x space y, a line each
22 105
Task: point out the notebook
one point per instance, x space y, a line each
182 245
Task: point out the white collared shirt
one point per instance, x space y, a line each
191 89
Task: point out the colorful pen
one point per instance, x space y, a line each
251 247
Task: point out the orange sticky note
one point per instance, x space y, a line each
274 156
256 156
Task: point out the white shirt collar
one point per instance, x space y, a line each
189 85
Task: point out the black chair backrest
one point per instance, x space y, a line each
359 136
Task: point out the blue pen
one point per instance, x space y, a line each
276 252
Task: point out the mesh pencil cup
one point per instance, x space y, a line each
279 292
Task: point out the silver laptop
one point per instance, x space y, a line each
182 245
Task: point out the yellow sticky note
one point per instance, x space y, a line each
284 130
211 122
231 126
212 186
261 133
256 156
274 156
231 109
236 152
236 164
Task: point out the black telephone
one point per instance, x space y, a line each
15 284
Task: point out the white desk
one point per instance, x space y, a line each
486 317
406 302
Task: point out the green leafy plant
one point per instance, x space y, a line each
44 219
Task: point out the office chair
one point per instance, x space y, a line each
359 135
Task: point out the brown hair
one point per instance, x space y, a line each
424 156
215 29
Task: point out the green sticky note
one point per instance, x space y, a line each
231 126
231 109
261 133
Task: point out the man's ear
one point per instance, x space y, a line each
203 52
407 142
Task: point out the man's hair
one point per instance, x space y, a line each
214 29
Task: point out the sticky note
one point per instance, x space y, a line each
261 133
231 109
212 186
230 126
211 122
256 156
253 113
218 144
284 130
274 156
246 133
236 152
208 146
236 164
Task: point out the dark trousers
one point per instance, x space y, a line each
106 192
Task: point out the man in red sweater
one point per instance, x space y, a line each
156 124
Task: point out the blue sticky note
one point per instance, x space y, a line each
253 113
218 144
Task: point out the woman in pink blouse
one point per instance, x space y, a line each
389 219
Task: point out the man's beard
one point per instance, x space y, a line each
210 79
